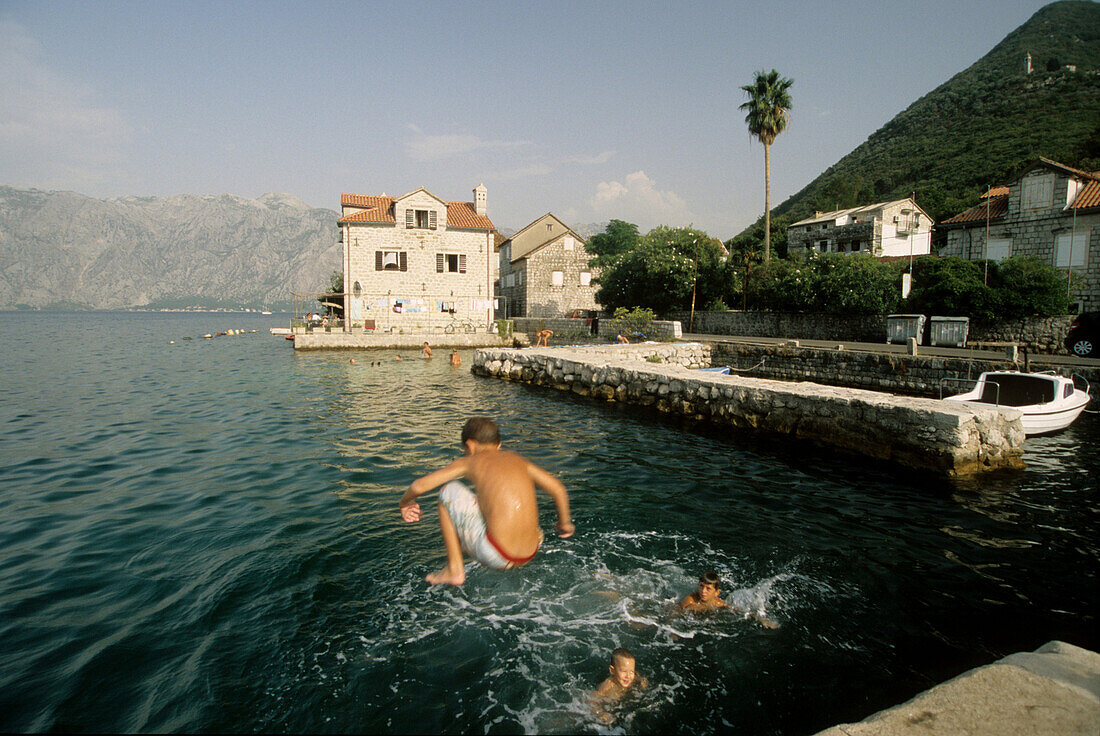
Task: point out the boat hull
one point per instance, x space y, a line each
1036 418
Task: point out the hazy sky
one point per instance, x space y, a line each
591 110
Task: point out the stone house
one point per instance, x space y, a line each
897 228
1050 211
544 271
417 263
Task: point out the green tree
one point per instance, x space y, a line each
659 272
335 294
766 114
617 238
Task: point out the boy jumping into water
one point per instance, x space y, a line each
499 527
706 598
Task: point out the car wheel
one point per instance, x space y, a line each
1083 347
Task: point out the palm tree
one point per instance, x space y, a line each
767 111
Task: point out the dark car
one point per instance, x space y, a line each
1083 335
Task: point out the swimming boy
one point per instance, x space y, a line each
427 351
456 359
622 680
707 598
499 527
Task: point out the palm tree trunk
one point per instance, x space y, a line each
767 203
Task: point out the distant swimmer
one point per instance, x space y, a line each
707 598
623 680
397 357
352 360
620 340
499 527
456 359
427 351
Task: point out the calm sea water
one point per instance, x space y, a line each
203 536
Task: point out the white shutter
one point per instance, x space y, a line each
410 219
431 219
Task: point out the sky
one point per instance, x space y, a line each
590 110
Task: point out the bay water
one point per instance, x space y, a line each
202 535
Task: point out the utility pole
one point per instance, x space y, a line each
694 275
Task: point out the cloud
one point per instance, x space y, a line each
638 199
53 131
424 147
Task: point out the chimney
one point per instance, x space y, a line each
1027 63
479 200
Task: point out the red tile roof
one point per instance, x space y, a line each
380 209
996 191
997 206
1089 196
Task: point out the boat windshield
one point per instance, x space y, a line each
1017 390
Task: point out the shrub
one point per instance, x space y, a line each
633 322
1025 286
950 287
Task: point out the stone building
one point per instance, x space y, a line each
544 271
1050 211
898 228
417 263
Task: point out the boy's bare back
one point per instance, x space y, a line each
505 487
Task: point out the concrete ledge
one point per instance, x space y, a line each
1053 691
946 437
352 340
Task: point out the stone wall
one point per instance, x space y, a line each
563 326
918 375
1036 334
955 439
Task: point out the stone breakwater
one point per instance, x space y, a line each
948 438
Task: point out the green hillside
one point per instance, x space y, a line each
981 125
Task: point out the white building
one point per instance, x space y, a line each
898 228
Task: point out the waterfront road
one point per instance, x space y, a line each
974 353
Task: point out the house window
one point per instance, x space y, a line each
420 219
1070 249
450 263
1038 192
557 278
823 246
586 278
549 226
519 278
998 250
567 243
390 260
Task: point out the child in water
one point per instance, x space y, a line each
499 527
706 598
623 679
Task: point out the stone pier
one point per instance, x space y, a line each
944 437
1053 691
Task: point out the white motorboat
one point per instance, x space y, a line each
1048 402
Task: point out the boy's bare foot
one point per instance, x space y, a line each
447 577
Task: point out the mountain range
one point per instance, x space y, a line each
65 250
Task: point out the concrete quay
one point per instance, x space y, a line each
339 340
944 437
1053 691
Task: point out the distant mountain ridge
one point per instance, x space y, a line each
66 250
979 127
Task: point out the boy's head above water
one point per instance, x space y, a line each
709 586
482 431
622 667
